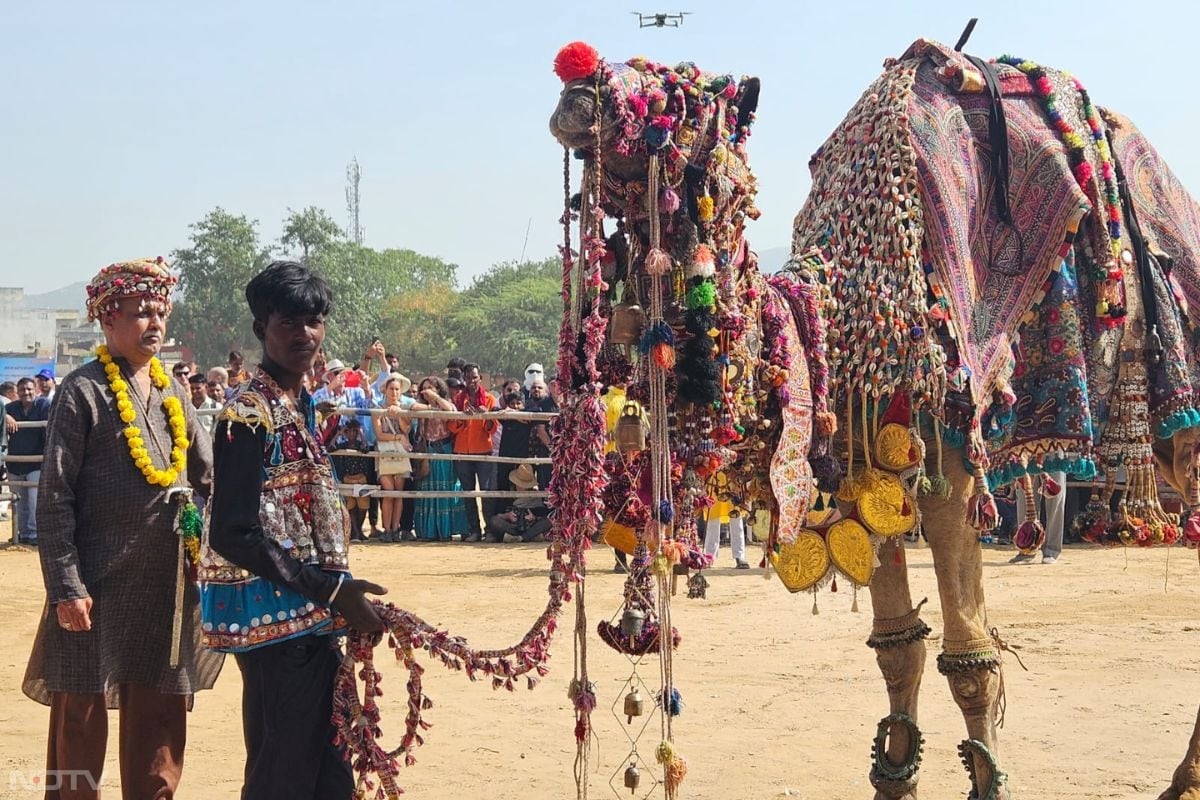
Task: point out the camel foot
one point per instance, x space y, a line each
1185 783
1177 792
987 781
896 781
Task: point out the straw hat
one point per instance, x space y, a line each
405 383
523 477
332 368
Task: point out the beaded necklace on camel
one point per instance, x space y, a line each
1109 309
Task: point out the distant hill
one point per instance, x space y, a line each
772 259
73 296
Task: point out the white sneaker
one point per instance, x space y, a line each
1049 559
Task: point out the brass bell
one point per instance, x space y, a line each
633 705
631 430
632 777
625 326
632 621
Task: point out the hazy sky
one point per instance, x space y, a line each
124 122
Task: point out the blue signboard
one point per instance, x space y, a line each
13 368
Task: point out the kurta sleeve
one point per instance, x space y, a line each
234 529
71 421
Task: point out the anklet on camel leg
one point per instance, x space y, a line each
896 780
889 633
971 749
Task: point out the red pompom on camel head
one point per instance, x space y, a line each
575 61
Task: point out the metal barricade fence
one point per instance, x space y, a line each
356 490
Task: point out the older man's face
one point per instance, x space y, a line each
538 390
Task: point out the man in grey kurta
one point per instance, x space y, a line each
110 556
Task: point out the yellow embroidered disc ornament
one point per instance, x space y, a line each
894 448
885 507
803 563
851 551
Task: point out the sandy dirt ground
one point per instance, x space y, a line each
778 702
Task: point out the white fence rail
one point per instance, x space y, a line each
359 490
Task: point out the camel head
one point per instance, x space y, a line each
696 122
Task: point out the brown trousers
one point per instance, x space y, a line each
153 730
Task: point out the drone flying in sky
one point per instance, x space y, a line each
660 20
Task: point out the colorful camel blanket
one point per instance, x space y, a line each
1008 310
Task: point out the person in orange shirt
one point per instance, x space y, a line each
474 437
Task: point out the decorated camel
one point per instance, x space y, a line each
1010 267
720 370
1005 271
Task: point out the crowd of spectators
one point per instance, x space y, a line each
369 450
464 434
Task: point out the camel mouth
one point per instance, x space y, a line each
574 119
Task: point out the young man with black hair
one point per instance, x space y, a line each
275 577
29 407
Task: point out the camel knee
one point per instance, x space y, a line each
899 645
973 670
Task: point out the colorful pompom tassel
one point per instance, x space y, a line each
825 424
1191 529
828 472
668 201
939 486
1030 536
704 263
657 263
982 514
674 768
663 356
673 703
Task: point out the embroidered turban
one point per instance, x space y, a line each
147 277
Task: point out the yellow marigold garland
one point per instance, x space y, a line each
133 434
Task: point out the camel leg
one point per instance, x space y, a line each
1176 459
1185 784
898 638
970 659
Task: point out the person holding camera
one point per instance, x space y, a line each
528 519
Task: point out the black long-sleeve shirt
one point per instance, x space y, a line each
235 532
27 441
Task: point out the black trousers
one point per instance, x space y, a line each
409 510
287 701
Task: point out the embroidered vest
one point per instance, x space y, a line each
300 510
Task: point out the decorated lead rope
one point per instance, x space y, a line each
578 435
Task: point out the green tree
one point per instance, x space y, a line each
310 232
366 284
510 316
224 254
416 328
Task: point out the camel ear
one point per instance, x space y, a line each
747 100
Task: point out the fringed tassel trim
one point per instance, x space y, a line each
1178 421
